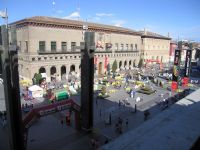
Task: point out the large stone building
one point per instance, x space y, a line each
155 46
48 45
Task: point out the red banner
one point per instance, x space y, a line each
106 63
185 81
95 60
174 85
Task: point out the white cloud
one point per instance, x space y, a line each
104 14
118 23
59 11
74 15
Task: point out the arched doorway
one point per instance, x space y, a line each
134 61
42 70
72 68
63 72
130 64
120 64
53 73
100 68
125 64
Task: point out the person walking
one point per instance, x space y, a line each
146 114
62 122
135 107
127 122
110 119
100 112
96 102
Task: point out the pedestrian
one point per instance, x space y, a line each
135 107
96 102
127 122
100 112
110 119
62 122
146 114
93 142
106 141
119 103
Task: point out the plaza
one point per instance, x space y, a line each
57 136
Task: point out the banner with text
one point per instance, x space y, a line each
176 69
187 67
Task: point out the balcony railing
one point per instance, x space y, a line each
126 51
59 52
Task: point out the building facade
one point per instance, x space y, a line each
155 47
49 45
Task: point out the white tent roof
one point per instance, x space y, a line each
35 88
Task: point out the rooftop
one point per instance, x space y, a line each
148 34
74 23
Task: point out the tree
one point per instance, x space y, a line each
140 64
37 78
114 66
103 90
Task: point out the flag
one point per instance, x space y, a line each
3 14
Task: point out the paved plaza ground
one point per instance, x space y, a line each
49 133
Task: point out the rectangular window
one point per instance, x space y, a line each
64 46
53 46
131 46
116 46
26 46
127 47
122 47
73 46
136 46
42 46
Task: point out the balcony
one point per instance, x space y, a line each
58 52
127 51
103 51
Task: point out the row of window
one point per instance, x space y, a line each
154 47
126 46
64 48
42 46
74 57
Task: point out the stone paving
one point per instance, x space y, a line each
49 133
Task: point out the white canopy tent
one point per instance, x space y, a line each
35 91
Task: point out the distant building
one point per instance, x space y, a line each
155 46
48 45
173 46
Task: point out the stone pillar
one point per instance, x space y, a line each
48 73
87 79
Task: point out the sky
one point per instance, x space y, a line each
179 18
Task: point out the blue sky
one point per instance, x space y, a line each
181 18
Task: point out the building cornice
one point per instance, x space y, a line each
71 24
155 37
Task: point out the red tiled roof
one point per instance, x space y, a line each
59 21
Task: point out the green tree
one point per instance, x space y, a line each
114 66
103 90
37 78
140 64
